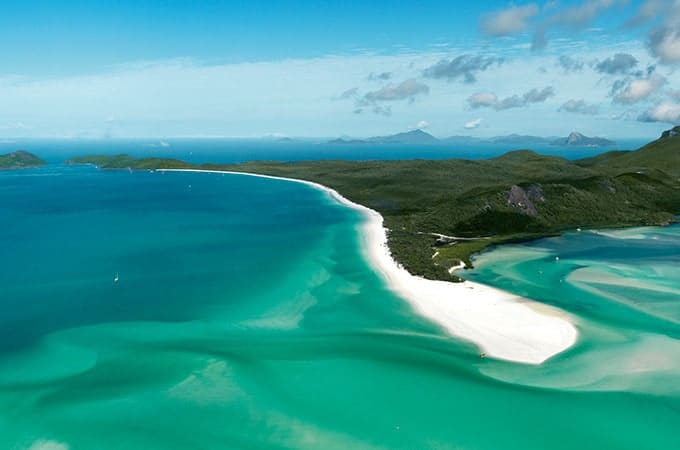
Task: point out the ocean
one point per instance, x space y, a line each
237 151
151 310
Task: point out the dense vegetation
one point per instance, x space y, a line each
127 161
20 160
455 208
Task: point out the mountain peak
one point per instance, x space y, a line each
416 136
574 137
577 139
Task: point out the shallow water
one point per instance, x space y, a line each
244 316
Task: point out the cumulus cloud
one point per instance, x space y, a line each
508 21
471 125
489 99
664 40
536 96
663 112
569 64
579 107
639 89
408 89
374 100
515 101
620 63
482 99
422 125
664 43
465 66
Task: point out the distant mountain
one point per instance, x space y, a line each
410 137
20 160
420 137
578 140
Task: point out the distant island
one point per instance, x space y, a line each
420 137
440 213
409 137
20 160
578 140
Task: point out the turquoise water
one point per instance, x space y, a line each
244 316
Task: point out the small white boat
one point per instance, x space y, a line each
116 278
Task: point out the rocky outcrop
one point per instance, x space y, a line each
673 132
525 200
576 139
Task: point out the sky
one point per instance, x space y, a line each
327 68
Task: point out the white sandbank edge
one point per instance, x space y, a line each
502 325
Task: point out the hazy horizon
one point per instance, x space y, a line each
309 69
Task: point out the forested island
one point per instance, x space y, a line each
440 213
20 160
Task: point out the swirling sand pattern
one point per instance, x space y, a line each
246 317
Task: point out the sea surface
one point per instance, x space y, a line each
237 151
152 310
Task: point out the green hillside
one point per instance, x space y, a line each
127 161
455 208
662 155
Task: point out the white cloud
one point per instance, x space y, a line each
471 125
489 99
664 40
422 125
665 44
663 112
640 89
508 21
482 99
299 97
408 89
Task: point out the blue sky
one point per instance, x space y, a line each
328 68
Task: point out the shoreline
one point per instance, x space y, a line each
503 325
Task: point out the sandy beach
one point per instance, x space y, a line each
502 325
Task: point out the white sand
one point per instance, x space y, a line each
460 265
503 325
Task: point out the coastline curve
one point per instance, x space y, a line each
503 325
